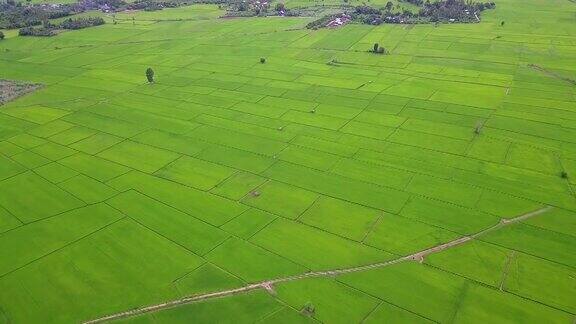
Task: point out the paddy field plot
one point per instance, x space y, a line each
116 194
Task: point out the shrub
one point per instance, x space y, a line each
309 309
389 6
80 23
49 29
367 10
150 75
31 31
26 31
377 49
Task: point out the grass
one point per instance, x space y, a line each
256 305
116 194
333 301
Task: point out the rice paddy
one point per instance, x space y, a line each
226 172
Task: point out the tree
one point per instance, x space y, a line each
262 60
1 35
150 75
502 23
564 175
242 6
389 6
377 49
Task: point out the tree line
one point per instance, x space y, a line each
50 29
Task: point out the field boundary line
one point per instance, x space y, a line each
265 285
552 74
67 244
509 258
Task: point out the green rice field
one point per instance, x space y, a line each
116 194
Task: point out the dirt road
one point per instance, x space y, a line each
269 284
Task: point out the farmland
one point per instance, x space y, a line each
225 172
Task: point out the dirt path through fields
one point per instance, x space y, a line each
552 74
269 284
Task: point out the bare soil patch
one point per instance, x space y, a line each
10 90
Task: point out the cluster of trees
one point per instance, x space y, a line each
49 29
368 15
248 8
454 10
80 23
147 5
151 5
437 11
251 8
17 15
31 31
103 5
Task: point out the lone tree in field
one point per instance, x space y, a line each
564 175
262 60
377 49
150 75
502 23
